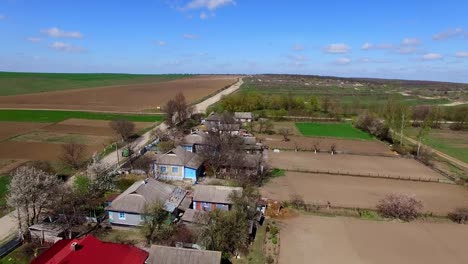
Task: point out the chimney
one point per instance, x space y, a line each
74 246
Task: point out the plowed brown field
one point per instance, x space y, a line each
353 164
363 192
121 98
9 129
337 240
36 150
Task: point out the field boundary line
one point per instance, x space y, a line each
370 175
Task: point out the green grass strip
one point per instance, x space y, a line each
336 130
53 116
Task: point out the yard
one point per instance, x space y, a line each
337 130
336 240
361 192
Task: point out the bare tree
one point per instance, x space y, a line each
171 110
31 191
124 128
285 132
316 146
100 178
333 148
143 163
73 154
154 222
177 110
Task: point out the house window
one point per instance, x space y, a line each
175 170
163 169
121 216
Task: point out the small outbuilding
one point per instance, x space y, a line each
176 255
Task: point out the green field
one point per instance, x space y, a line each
453 143
336 130
51 116
14 83
4 182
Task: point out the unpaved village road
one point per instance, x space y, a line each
201 107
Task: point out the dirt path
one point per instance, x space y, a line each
201 107
336 240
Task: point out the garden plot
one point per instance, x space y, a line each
376 166
336 240
361 192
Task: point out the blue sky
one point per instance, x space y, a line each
397 39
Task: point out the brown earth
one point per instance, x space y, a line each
336 240
343 145
7 165
136 97
89 127
360 192
352 164
36 150
10 129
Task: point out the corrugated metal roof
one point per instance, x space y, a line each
214 193
173 255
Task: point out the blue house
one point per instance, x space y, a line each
178 165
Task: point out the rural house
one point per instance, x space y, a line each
210 197
177 255
128 208
89 249
224 123
243 117
193 141
178 165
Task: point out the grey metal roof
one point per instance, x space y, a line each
142 193
195 217
180 157
173 255
214 193
244 115
195 138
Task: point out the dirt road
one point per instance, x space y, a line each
336 240
201 107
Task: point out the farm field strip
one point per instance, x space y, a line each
53 116
121 98
14 83
360 192
338 130
368 147
353 164
336 240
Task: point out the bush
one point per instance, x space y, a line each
270 260
400 206
297 202
460 215
425 156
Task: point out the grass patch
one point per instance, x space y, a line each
54 116
255 255
277 172
17 256
4 182
336 130
124 236
14 83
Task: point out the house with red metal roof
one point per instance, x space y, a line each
91 250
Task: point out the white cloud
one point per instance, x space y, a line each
190 36
65 47
209 4
298 47
432 56
462 54
58 33
343 61
367 46
297 58
203 16
337 48
410 42
34 39
161 43
450 33
406 50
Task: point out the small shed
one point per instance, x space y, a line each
48 232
